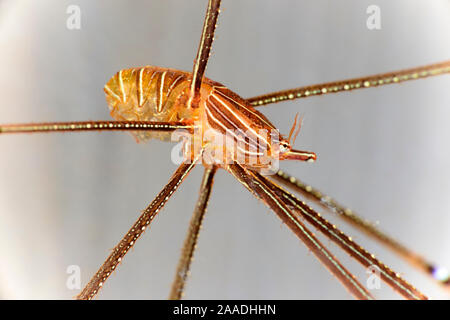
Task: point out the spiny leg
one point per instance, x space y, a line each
261 191
356 251
190 242
351 84
204 50
366 226
130 238
95 126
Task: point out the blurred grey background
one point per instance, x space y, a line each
67 199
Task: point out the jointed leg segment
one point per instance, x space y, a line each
259 188
190 242
138 228
95 126
367 227
356 251
204 50
352 84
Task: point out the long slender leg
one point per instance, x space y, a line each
356 251
204 50
366 226
351 84
130 238
261 191
190 242
94 126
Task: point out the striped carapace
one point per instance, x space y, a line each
222 118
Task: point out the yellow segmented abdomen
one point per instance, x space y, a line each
148 94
